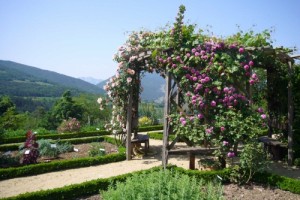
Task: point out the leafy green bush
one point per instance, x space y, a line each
8 160
46 149
145 121
52 150
97 150
64 146
253 159
297 162
166 184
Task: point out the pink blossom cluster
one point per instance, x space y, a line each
253 79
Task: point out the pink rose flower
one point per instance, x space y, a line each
213 103
263 116
230 154
241 50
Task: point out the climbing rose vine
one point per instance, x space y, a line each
213 76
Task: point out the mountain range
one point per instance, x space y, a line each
23 82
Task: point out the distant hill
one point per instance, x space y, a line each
153 85
91 80
23 80
25 84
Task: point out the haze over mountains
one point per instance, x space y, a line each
19 80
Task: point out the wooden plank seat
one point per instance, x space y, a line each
276 148
141 139
191 152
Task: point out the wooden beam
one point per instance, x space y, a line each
295 56
290 115
128 127
166 121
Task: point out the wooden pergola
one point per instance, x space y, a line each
172 96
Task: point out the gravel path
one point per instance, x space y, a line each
15 186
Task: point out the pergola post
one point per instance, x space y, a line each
166 121
290 115
129 127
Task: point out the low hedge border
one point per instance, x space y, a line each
159 135
93 187
282 182
15 146
151 128
75 135
41 168
57 136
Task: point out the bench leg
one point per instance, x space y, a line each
192 160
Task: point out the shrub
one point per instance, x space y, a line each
163 185
253 159
8 160
64 146
68 126
97 150
297 162
46 149
52 150
145 121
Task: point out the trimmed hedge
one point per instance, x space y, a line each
75 135
35 169
282 182
93 187
15 146
40 168
159 135
77 190
57 136
151 128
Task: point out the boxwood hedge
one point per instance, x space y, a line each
92 187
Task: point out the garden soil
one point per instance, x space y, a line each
16 186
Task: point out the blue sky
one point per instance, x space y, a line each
79 37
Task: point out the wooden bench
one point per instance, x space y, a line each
141 139
191 152
275 147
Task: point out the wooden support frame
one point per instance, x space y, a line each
129 127
166 121
290 115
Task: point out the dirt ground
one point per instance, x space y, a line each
13 187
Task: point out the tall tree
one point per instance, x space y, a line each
65 108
